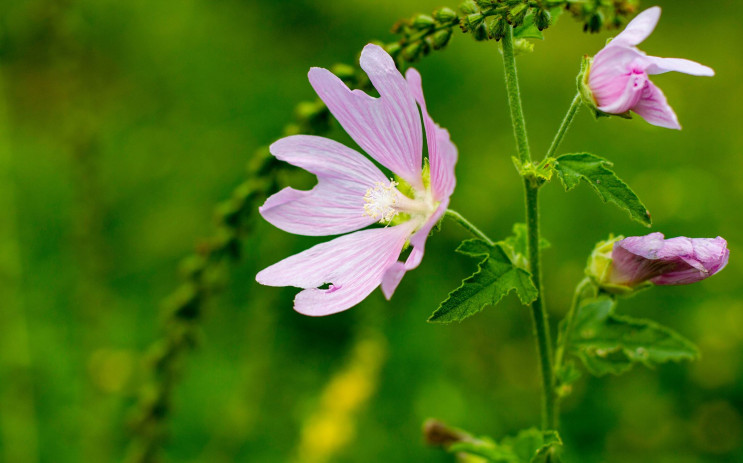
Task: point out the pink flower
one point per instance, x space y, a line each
675 261
618 76
353 193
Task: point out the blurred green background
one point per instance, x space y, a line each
123 123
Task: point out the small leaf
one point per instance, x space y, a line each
528 30
516 244
594 170
495 277
491 452
609 343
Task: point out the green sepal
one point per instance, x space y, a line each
610 343
587 95
495 277
595 171
528 29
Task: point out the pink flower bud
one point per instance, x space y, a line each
617 79
675 261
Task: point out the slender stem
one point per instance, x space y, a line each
538 309
574 107
514 98
469 226
531 188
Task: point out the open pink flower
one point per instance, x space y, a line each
353 193
618 76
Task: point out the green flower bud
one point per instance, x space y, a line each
480 33
441 38
542 19
445 15
473 21
393 49
599 268
413 51
423 21
497 27
344 71
469 7
485 3
517 14
595 22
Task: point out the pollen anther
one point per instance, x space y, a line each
381 201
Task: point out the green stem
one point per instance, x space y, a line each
574 107
514 98
531 188
469 226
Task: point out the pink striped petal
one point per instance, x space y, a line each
654 108
660 65
395 272
638 29
352 264
336 204
388 127
442 154
633 91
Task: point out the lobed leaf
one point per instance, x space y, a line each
596 172
496 276
610 343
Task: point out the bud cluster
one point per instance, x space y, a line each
422 33
597 15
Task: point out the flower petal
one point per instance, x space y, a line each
699 258
336 204
660 65
639 28
388 127
395 272
442 154
632 93
654 108
352 264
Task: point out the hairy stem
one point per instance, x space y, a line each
531 188
566 122
469 226
514 98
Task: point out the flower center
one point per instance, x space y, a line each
381 201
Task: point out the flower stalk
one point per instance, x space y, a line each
469 226
531 188
564 126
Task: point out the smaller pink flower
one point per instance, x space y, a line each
618 76
352 193
674 261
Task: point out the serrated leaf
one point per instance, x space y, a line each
609 343
596 172
528 29
496 276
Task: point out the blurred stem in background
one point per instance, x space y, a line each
531 189
18 426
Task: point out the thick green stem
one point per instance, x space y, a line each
574 107
531 188
514 98
469 226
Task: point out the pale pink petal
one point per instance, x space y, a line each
352 264
442 154
395 272
654 108
638 29
388 127
658 65
633 91
336 204
610 72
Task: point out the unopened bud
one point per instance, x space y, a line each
441 38
517 14
595 22
445 15
542 19
473 21
423 21
485 3
393 49
469 7
413 51
497 27
480 33
344 71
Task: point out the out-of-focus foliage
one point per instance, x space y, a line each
123 123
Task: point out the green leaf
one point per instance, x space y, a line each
495 277
528 29
491 452
528 446
609 343
595 171
516 245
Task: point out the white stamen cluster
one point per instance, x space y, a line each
381 200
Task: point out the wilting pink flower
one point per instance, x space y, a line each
353 193
618 76
675 261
